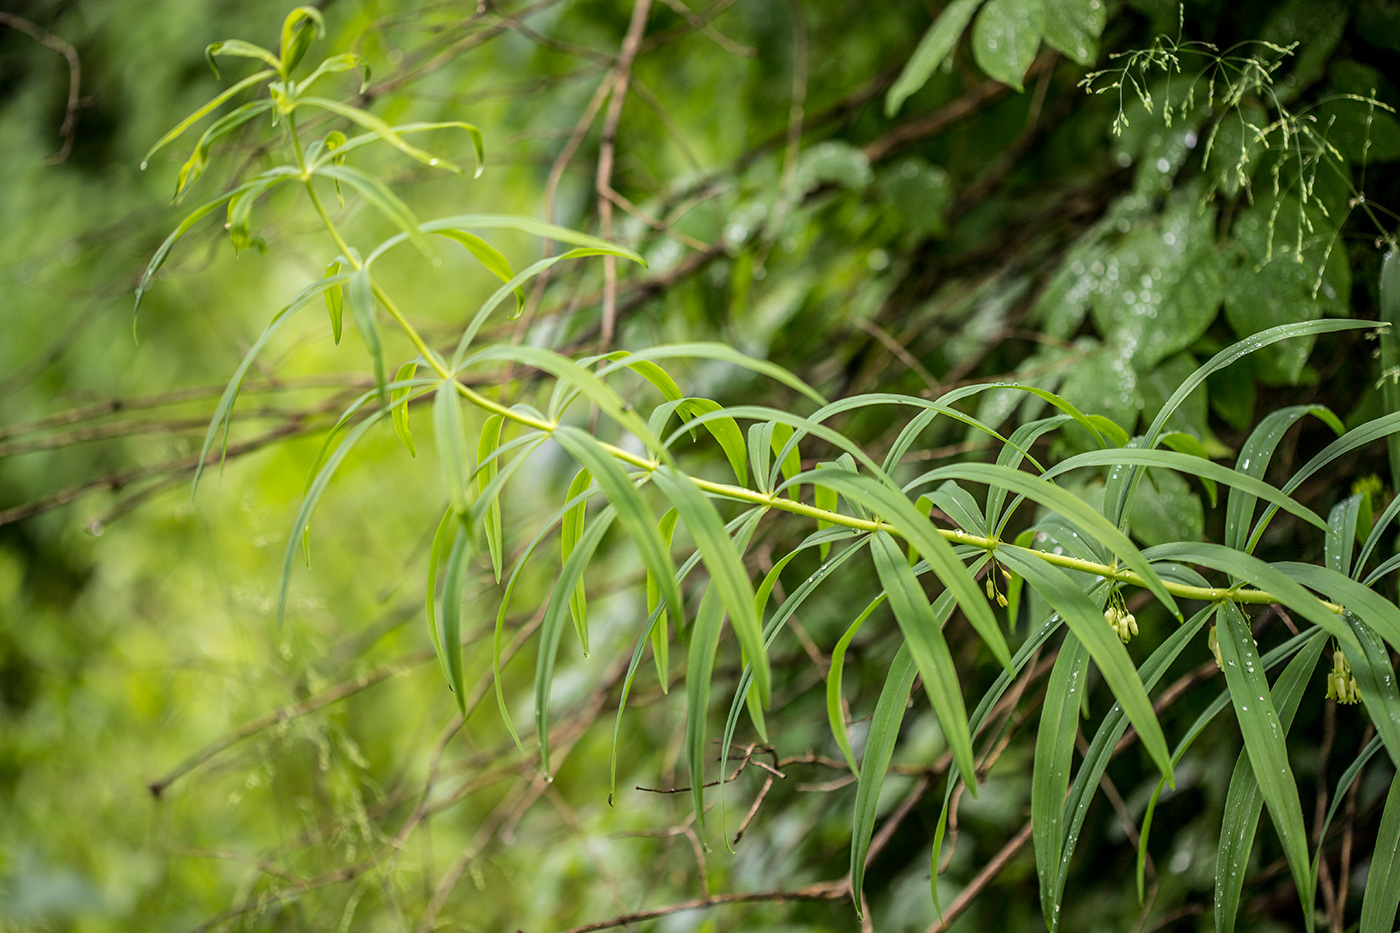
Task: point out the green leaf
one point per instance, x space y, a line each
1244 801
346 61
1264 741
1111 729
398 401
189 121
447 530
552 626
1390 352
1382 892
1194 466
834 716
1274 281
493 259
310 500
957 503
237 48
570 531
1039 490
454 577
925 641
660 637
486 445
1162 285
789 458
335 301
940 40
1087 623
1054 753
724 430
1074 27
362 307
1188 444
900 513
452 454
1340 544
825 498
1122 481
700 665
1254 459
199 159
299 28
1166 509
636 517
515 576
223 412
378 195
1005 38
727 574
879 749
382 130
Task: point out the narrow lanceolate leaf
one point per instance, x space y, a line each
699 669
452 454
552 626
835 717
456 574
204 111
940 40
398 400
362 307
924 637
1341 543
1254 459
485 454
724 430
493 259
1264 740
1054 753
1382 894
726 569
1244 801
335 301
632 511
1041 491
894 508
314 491
1390 352
879 749
570 531
447 530
1087 623
1111 729
790 459
382 199
660 636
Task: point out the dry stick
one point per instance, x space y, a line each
984 877
622 77
704 27
125 477
1324 875
821 891
75 72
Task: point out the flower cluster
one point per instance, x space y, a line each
1123 622
1341 685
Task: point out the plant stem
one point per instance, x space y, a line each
741 493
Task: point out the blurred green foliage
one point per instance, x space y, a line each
1077 241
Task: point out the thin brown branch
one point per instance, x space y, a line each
822 891
983 878
75 74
